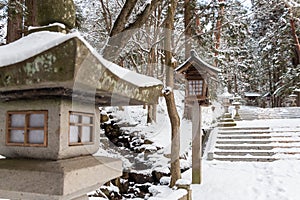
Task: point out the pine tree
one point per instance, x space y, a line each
275 50
223 35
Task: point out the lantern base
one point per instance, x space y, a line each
55 180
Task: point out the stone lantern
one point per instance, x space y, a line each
293 98
225 98
226 119
51 87
236 103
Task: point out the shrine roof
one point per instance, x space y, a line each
202 66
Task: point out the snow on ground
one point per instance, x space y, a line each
248 181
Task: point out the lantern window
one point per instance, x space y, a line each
195 87
27 128
81 128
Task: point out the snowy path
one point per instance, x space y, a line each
277 180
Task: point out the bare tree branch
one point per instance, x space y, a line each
123 17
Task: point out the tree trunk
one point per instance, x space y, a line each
31 14
294 33
188 15
169 95
219 28
296 41
169 27
175 145
15 20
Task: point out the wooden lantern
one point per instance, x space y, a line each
196 73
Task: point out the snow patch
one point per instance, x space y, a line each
183 182
50 25
164 192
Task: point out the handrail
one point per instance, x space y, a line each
210 147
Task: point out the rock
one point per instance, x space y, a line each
158 174
147 141
140 178
139 149
112 195
165 180
124 186
125 175
104 118
143 190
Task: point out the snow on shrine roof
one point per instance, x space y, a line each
39 42
194 58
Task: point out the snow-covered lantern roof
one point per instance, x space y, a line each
57 64
197 73
226 96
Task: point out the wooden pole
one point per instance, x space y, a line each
196 144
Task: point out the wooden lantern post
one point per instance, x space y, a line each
196 72
196 144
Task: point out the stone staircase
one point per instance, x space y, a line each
261 144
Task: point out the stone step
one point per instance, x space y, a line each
244 128
256 158
226 124
285 131
259 144
242 142
258 141
248 147
242 132
267 136
258 152
245 159
226 120
244 153
260 135
254 147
